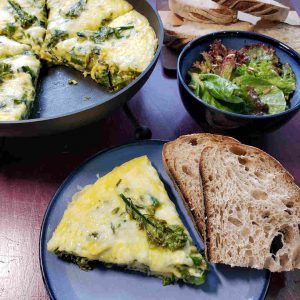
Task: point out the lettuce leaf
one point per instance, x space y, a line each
221 88
200 89
275 100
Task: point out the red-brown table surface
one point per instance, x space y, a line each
31 170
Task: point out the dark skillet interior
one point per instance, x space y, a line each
200 110
60 106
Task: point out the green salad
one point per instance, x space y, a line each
247 81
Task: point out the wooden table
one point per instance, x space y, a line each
32 169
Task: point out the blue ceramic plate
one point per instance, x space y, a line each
67 282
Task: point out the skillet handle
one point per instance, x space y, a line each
141 132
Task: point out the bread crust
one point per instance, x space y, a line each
203 11
179 31
266 9
195 212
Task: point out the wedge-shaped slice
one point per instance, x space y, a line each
252 208
126 218
24 21
115 54
18 76
181 159
66 18
9 47
127 54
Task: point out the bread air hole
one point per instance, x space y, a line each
251 240
251 261
210 178
187 170
235 221
266 215
243 160
288 211
259 195
289 205
218 239
237 150
258 174
245 231
276 245
193 142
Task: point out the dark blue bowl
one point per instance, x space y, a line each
220 120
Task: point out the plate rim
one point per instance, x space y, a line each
69 177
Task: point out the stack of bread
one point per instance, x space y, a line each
188 19
245 205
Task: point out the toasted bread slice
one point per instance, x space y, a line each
266 9
203 11
285 33
179 31
252 208
181 160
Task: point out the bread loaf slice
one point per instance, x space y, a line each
285 33
181 160
203 11
266 9
252 208
179 31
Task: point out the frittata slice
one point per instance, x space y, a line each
115 54
126 218
19 70
126 53
24 21
66 18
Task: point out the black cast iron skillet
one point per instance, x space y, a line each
60 106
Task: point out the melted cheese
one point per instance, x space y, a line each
92 17
120 60
17 92
72 52
136 49
14 89
34 35
10 48
91 229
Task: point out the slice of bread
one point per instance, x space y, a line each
181 160
252 207
203 11
179 31
266 9
285 33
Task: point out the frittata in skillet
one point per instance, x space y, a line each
126 218
106 39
